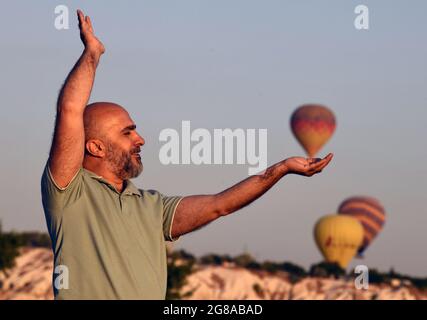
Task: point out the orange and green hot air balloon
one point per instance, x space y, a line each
369 212
312 125
338 237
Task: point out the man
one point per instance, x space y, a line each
107 235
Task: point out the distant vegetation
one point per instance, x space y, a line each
182 263
326 269
34 239
10 242
376 276
296 272
9 250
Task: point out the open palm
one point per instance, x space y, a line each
87 35
307 166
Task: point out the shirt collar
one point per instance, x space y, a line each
130 188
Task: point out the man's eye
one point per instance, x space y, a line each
126 133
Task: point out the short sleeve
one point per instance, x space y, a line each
55 198
169 208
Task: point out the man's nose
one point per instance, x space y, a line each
140 141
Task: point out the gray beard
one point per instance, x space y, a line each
121 164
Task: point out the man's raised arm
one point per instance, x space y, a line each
67 150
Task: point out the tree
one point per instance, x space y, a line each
326 269
376 277
182 255
215 259
293 269
178 270
9 250
244 259
35 239
270 266
212 258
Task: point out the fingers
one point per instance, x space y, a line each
328 159
80 16
84 22
321 163
313 160
89 22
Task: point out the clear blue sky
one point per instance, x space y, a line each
238 64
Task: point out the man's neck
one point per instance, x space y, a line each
107 175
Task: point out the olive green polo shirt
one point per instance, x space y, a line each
112 244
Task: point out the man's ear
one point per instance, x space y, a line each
95 148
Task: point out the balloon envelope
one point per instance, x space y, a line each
338 237
312 125
369 212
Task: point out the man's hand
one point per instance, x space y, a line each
92 43
306 166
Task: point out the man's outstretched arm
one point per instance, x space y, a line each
193 212
67 150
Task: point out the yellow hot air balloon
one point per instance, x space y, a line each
338 238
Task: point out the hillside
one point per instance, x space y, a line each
31 279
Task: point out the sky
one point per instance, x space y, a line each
240 64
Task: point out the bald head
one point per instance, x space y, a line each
111 140
99 117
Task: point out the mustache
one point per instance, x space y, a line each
136 150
